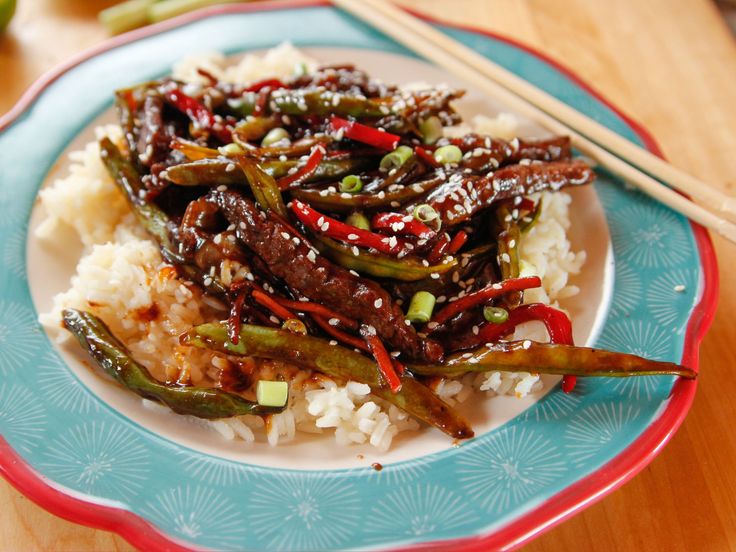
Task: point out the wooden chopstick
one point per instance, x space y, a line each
447 53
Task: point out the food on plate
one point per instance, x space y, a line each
320 250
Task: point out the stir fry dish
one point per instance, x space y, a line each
341 232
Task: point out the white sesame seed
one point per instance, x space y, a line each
333 321
285 235
679 288
378 303
352 236
526 344
311 256
434 276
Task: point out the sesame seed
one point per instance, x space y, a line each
311 256
679 288
333 321
333 342
285 235
434 276
378 303
526 344
475 330
353 273
352 236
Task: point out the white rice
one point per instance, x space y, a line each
122 279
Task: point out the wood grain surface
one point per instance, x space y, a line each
671 65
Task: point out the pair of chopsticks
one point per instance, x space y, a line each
620 156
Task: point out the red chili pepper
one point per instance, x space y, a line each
383 359
307 170
199 114
426 156
320 310
457 242
273 84
402 224
400 368
270 303
317 222
438 251
365 134
339 334
568 383
484 295
557 323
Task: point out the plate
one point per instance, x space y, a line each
86 450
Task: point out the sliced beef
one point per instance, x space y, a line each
293 260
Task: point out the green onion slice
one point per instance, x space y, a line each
359 220
272 393
230 149
396 158
274 135
351 184
448 154
426 214
495 315
430 129
420 307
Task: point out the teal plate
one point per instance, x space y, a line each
70 452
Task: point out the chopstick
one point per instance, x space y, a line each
454 57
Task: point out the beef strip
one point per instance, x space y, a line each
304 270
462 196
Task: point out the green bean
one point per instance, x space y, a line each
334 361
115 360
378 265
331 201
215 172
545 358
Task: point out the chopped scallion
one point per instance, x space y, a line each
272 393
495 315
351 184
420 307
448 154
396 158
430 129
274 135
426 214
230 149
294 325
359 220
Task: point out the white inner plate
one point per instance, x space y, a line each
51 266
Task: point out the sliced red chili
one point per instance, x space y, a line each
338 334
457 242
484 295
426 156
319 310
557 323
383 359
402 224
439 249
199 114
270 303
304 172
365 134
266 83
317 222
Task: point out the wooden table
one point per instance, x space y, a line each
671 64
